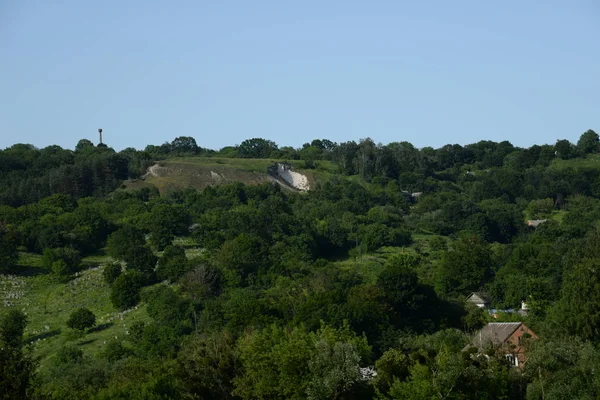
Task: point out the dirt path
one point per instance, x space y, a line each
152 171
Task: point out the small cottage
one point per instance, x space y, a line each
508 339
479 299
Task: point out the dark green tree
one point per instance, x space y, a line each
564 149
81 319
173 264
184 145
115 351
9 256
167 307
125 291
588 142
84 144
122 241
256 148
241 257
578 309
400 283
17 365
141 259
63 262
111 272
465 268
208 364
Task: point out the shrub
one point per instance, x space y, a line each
81 319
63 261
115 351
69 354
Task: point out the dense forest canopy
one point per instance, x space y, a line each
355 289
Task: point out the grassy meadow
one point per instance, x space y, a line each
48 305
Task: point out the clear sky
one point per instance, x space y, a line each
428 72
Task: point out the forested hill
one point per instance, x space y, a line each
115 286
29 174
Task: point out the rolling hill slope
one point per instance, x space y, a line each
201 172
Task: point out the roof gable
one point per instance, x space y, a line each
478 297
495 333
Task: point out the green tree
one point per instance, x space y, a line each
208 364
368 312
160 237
564 149
291 363
202 282
125 291
8 250
17 365
256 148
69 354
334 370
393 365
465 268
335 363
84 144
122 241
63 262
275 362
504 221
81 319
440 370
111 272
167 307
164 222
563 368
173 264
540 209
241 257
578 309
141 259
399 281
184 144
115 351
588 142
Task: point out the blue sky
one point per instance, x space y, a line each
431 72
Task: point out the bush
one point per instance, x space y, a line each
61 270
69 354
115 351
81 319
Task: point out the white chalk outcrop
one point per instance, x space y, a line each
295 179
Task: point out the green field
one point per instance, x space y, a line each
591 161
48 304
370 265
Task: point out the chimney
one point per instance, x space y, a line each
100 134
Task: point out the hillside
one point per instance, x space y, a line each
201 172
205 293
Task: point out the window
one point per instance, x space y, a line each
512 359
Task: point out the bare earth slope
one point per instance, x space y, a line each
200 172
